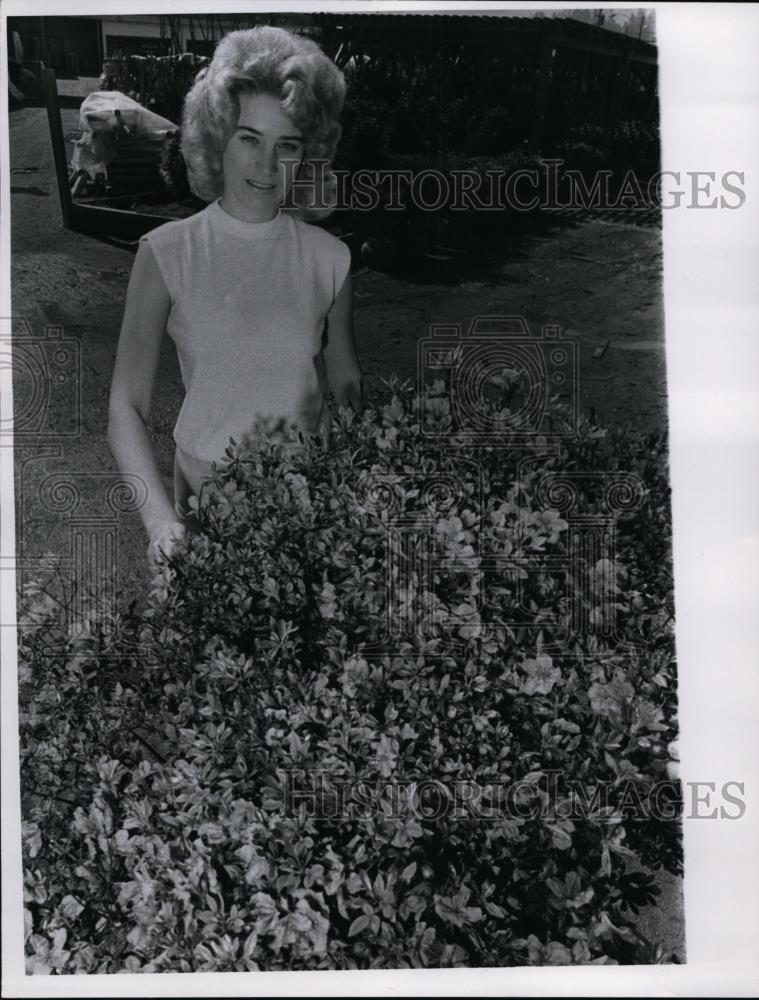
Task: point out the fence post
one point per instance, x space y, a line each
542 91
59 146
620 88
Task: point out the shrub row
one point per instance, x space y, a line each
339 738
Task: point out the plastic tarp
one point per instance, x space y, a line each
113 124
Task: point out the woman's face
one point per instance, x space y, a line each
260 160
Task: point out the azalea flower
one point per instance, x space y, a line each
546 523
609 699
304 930
542 676
299 489
408 829
437 414
451 528
387 438
328 601
386 757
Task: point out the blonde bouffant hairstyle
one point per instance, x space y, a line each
310 89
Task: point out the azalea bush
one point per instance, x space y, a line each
380 713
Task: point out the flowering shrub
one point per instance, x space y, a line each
359 725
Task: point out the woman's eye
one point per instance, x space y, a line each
249 138
290 147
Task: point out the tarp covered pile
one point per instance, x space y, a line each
119 143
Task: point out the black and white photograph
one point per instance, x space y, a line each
359 612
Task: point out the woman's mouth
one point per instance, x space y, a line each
261 187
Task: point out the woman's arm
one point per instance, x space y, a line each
145 314
340 359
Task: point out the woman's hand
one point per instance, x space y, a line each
163 542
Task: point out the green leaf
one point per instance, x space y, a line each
409 871
70 907
359 924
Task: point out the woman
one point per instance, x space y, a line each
251 294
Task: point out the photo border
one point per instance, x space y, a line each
709 93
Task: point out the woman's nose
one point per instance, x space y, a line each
268 161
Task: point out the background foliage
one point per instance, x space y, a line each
159 83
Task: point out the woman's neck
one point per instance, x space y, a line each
234 212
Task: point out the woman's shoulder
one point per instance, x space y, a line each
172 245
175 230
325 256
318 238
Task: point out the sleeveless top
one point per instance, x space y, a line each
248 306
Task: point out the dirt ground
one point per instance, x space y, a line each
599 280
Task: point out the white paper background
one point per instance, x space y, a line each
709 86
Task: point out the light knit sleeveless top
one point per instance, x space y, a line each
248 305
